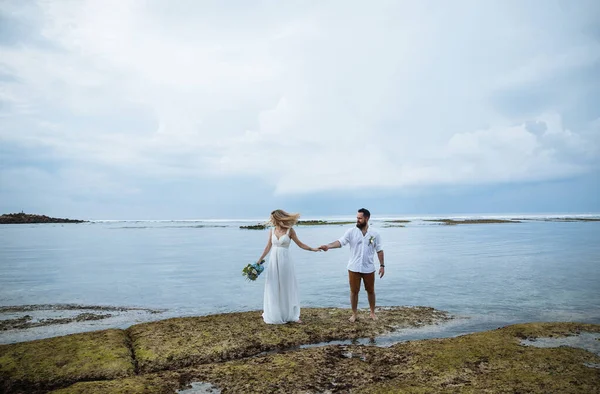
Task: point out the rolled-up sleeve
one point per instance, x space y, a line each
345 238
378 244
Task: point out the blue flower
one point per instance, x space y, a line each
252 271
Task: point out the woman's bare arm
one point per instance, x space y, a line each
333 245
294 236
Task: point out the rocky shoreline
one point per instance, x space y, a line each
440 221
22 218
453 222
263 226
23 317
237 352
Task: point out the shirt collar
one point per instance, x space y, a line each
367 232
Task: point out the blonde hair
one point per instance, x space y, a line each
281 218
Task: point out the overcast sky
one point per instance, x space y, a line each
200 109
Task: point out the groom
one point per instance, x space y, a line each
364 242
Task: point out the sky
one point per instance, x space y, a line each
131 109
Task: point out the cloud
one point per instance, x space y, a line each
307 98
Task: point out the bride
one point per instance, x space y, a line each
281 302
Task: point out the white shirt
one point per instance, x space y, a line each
362 249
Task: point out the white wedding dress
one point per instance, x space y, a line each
281 303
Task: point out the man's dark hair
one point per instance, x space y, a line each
365 212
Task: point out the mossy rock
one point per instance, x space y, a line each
180 342
487 362
56 362
144 384
495 362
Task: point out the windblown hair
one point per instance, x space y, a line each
281 218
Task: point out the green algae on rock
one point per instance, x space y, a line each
180 342
486 362
176 343
146 384
57 362
237 352
496 361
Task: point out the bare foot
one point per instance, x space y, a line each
373 316
298 321
352 319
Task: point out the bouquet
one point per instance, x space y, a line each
252 271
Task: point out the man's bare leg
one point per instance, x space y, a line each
370 288
354 303
354 281
372 305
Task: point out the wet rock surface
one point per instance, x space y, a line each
28 322
159 345
492 361
182 342
19 323
238 353
69 307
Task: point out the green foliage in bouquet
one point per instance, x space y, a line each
252 271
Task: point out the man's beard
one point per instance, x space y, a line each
361 226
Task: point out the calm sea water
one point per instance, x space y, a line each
494 274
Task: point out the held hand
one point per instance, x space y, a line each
381 272
324 248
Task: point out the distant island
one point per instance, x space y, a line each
20 218
258 226
262 226
452 222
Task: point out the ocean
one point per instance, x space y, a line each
486 275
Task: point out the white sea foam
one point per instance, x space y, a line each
375 218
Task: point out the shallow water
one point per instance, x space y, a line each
200 388
586 340
494 274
